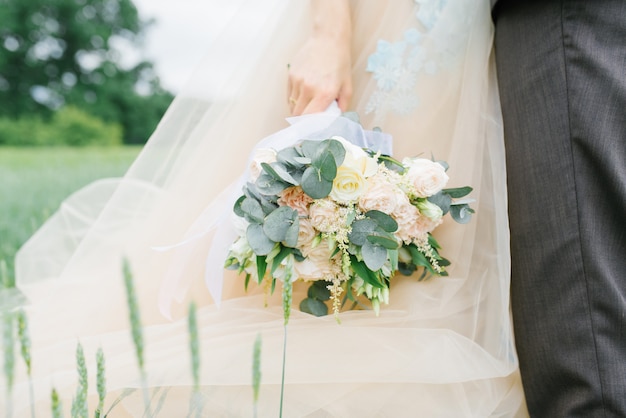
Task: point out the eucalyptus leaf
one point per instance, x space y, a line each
314 307
303 160
442 200
291 237
337 149
385 240
406 269
237 207
259 242
458 192
374 256
314 185
361 228
268 185
279 173
253 212
309 148
385 221
277 223
319 292
289 156
327 166
461 213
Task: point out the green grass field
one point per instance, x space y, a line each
34 181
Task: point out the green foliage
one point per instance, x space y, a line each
36 180
60 52
68 126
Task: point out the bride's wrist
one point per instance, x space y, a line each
331 20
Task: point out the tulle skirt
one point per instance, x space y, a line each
423 72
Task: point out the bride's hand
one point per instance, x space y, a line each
321 71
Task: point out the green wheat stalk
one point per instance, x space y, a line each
287 300
25 344
8 341
100 382
256 373
195 402
79 403
8 344
136 331
57 407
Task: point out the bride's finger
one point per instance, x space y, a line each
300 102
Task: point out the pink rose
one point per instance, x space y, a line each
427 177
295 198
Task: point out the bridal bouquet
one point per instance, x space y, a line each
342 217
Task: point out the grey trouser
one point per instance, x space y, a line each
562 76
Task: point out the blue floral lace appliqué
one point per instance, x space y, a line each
396 65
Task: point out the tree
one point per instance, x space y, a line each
67 52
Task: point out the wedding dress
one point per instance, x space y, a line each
423 72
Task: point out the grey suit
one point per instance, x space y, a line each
562 75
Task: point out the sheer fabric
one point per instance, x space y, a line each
423 72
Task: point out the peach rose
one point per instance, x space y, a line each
380 195
427 177
295 198
318 264
306 235
323 214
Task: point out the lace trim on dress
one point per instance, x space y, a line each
426 48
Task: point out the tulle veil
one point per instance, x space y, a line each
443 347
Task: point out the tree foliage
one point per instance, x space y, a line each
55 53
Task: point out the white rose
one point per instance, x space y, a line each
261 155
427 177
348 186
357 159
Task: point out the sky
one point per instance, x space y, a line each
174 42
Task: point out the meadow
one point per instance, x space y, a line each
34 181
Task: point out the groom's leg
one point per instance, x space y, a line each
562 74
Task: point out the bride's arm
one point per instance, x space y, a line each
321 71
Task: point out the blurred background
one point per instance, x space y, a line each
83 83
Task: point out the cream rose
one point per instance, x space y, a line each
295 198
380 195
348 186
261 155
425 176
